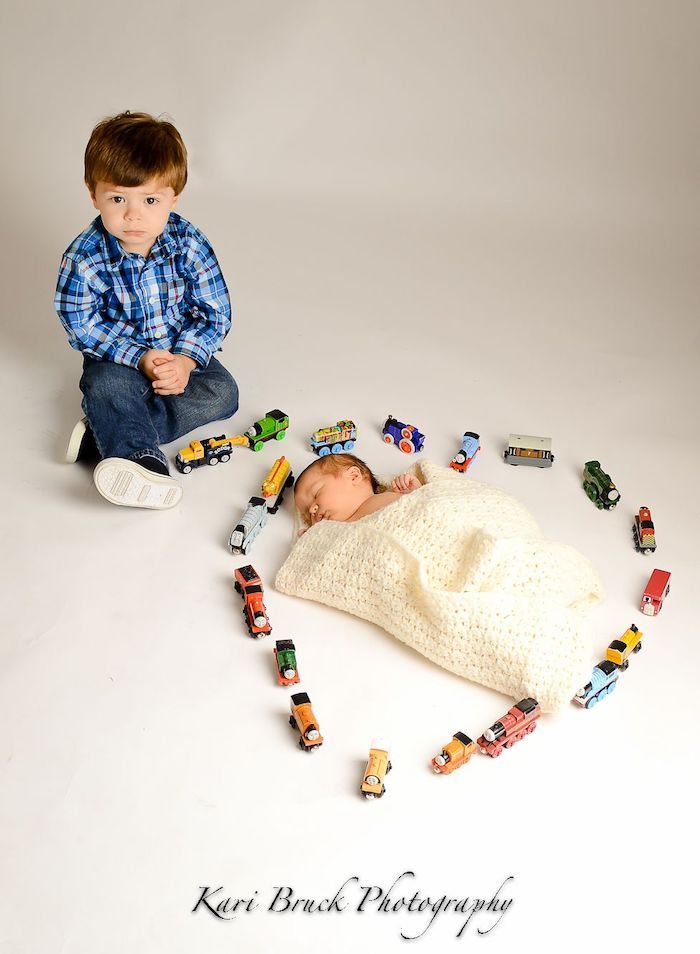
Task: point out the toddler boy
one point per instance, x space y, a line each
342 487
141 295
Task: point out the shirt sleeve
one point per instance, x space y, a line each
207 305
78 305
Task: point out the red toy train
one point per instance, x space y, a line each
520 720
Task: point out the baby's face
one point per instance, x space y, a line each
327 495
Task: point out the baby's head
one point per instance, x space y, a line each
333 487
135 170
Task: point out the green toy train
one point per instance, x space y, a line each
599 487
273 425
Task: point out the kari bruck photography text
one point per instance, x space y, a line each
416 910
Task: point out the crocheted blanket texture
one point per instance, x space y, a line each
461 572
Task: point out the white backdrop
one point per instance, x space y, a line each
473 216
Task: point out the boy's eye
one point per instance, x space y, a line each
151 200
117 199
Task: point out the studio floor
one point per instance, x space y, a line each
144 742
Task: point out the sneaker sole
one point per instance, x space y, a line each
127 484
75 440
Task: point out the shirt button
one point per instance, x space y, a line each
151 301
159 334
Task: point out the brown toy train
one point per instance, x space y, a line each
520 720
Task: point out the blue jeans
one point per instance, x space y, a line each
128 419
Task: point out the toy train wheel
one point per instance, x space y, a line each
324 452
186 469
258 445
212 461
496 752
625 665
406 447
237 586
348 445
531 728
388 767
406 432
292 721
225 457
508 744
280 435
637 647
388 439
612 687
337 449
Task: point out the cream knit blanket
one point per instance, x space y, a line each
460 571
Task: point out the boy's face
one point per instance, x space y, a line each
327 495
136 215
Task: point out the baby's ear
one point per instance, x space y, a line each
354 473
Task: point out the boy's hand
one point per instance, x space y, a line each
405 483
172 373
152 358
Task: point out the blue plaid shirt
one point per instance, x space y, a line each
115 306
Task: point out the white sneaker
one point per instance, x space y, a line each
75 440
128 484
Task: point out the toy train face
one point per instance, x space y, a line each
303 719
247 582
526 449
603 681
519 721
655 592
406 437
464 457
336 439
251 523
286 661
621 649
378 767
599 487
455 754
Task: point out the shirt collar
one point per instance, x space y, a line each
115 254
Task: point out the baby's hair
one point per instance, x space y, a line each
336 463
132 148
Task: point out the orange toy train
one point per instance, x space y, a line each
303 719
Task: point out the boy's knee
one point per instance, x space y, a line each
230 396
103 380
223 394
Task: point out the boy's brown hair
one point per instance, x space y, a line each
131 148
335 463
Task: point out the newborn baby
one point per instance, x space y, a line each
342 487
459 571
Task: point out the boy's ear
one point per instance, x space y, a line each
176 200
